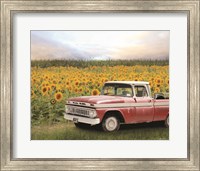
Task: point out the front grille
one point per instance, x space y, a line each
78 110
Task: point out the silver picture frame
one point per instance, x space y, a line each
10 8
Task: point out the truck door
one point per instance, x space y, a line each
144 108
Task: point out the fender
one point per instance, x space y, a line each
125 113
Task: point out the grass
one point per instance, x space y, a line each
88 63
67 131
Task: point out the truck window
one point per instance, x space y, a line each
117 90
140 91
124 91
109 90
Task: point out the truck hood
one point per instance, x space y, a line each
102 99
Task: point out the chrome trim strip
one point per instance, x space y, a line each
78 103
88 107
116 105
161 104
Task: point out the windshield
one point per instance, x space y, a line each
124 90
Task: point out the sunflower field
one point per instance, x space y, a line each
51 86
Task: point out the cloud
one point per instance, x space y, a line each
82 45
149 46
47 48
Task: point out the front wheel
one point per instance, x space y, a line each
110 124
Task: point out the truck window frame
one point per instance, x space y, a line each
141 85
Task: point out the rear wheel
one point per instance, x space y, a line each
110 124
167 121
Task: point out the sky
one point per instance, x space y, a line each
99 45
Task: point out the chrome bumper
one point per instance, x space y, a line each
74 118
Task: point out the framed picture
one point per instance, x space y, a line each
56 54
86 79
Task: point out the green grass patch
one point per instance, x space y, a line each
67 131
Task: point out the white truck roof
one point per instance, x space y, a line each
129 82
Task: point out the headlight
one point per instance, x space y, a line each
92 113
68 109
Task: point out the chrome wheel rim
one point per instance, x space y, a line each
111 123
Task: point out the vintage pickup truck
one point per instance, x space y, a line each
120 102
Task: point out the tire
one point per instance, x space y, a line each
167 122
110 124
81 125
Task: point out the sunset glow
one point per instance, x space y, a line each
99 45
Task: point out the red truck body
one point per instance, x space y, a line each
133 107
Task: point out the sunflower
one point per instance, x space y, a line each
67 82
54 82
33 80
48 88
46 77
58 96
95 92
80 90
52 101
157 85
167 81
158 80
53 86
76 83
43 84
44 90
69 88
157 90
87 91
